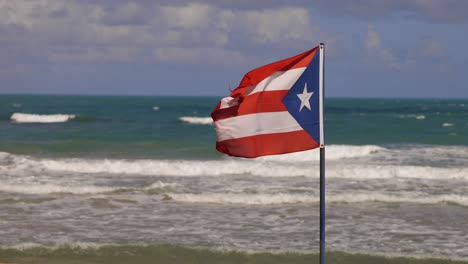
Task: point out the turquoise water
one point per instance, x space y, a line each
130 127
92 171
108 126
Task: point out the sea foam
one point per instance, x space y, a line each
334 152
53 188
284 198
248 199
344 161
36 118
19 165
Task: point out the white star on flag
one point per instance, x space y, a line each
305 97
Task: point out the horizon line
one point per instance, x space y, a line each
178 95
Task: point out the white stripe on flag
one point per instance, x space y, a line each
281 80
255 124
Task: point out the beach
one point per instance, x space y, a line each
109 179
174 254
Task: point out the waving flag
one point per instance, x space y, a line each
275 109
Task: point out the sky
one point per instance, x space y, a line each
374 48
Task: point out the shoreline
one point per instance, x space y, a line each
181 254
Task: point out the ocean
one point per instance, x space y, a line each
121 173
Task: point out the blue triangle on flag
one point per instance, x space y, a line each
308 119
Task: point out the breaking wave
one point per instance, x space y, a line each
287 166
161 185
334 152
284 198
36 118
196 120
34 188
52 188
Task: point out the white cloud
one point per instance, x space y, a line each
218 26
126 13
274 25
377 52
428 52
187 17
17 12
199 55
85 31
110 54
433 11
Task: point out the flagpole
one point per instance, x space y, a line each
322 156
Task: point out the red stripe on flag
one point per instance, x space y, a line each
255 76
262 102
224 113
268 144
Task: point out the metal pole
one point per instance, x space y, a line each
322 155
322 205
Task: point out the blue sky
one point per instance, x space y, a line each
374 48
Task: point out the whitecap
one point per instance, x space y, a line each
417 117
36 118
196 120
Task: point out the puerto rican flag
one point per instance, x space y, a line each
276 109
